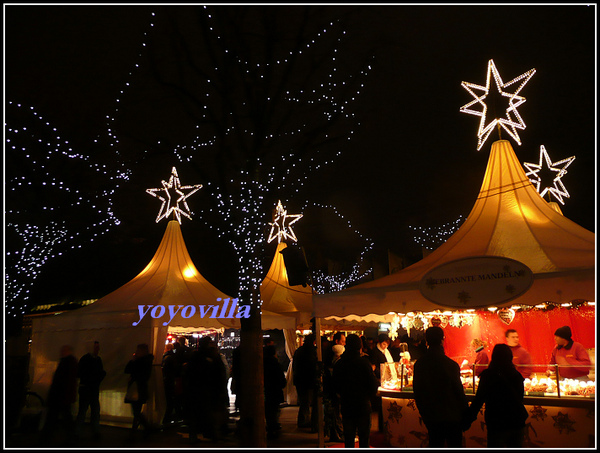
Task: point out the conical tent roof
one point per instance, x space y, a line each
279 297
170 279
510 220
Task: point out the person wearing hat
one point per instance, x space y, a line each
571 357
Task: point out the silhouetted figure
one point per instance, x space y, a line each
206 392
91 373
274 384
305 378
336 427
378 355
139 368
236 377
356 384
169 373
182 356
62 394
439 393
394 349
501 389
416 347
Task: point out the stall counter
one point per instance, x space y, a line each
566 422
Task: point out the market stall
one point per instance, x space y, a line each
169 280
516 262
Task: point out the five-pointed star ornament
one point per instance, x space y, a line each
513 120
282 223
172 194
560 168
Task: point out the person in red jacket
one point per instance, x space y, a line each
521 358
481 359
568 353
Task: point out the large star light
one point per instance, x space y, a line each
172 194
281 226
513 120
560 168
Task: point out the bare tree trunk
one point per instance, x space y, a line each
252 406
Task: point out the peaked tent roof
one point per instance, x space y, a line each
279 297
169 279
509 219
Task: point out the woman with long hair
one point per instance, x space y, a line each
501 389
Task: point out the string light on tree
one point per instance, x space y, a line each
513 120
431 238
324 283
560 168
171 194
281 228
73 215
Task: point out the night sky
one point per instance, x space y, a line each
412 161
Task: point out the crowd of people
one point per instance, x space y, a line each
195 383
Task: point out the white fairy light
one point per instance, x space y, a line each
324 283
513 120
172 202
431 238
560 168
282 223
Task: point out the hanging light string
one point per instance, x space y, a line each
431 238
324 283
46 156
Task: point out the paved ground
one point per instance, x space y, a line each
177 437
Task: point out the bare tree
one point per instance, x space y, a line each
264 97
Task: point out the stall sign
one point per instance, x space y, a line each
476 282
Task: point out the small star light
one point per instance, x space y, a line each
171 194
279 224
513 120
559 167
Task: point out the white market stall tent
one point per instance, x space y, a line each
509 220
170 278
280 297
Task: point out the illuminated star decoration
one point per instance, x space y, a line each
282 223
513 120
172 194
560 168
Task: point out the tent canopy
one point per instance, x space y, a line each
279 297
509 219
170 279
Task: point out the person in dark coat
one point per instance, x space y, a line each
501 389
356 384
378 355
140 368
439 393
275 382
62 394
305 378
91 373
207 399
169 373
